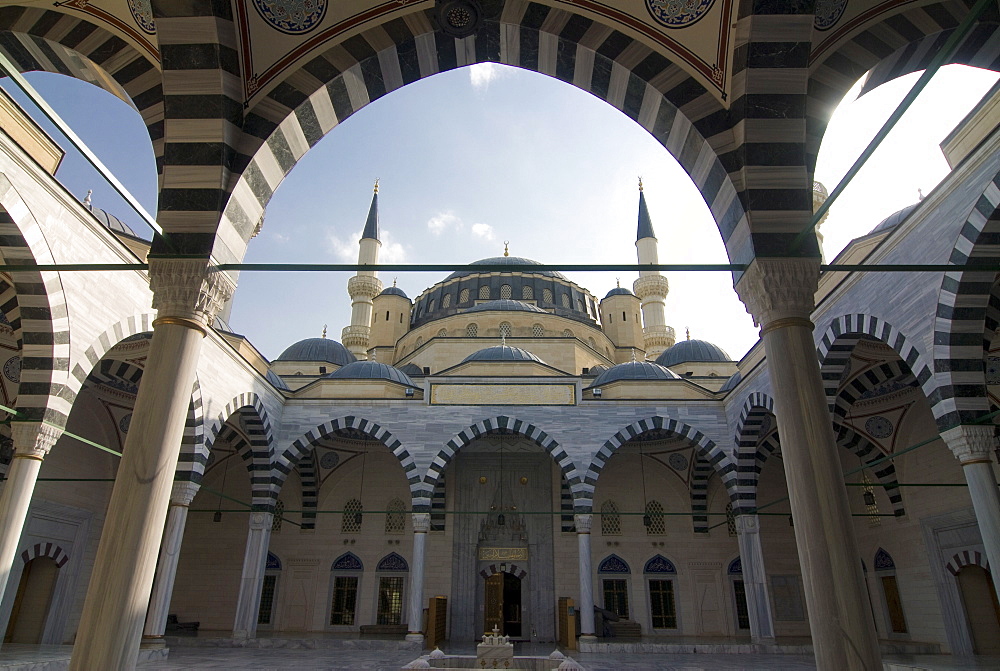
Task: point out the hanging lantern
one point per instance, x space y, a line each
647 521
217 517
791 522
357 518
869 497
501 520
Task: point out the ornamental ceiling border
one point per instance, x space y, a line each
139 36
713 75
851 24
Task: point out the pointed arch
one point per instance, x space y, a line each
613 564
659 564
756 440
347 562
392 562
966 558
705 447
310 489
867 452
422 497
131 326
51 550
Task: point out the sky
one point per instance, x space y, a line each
477 156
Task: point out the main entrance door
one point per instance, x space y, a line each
503 604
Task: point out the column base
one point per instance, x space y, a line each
152 643
762 640
587 638
414 637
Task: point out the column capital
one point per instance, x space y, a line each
33 440
188 289
183 492
773 289
583 523
970 443
747 523
260 521
421 522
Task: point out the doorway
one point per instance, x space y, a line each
31 605
503 604
981 608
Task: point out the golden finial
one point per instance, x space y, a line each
376 184
324 330
640 182
687 332
618 282
506 244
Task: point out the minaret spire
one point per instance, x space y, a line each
371 226
651 287
364 286
645 228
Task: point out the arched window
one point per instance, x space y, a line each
268 589
885 572
420 341
390 589
546 295
660 573
442 333
505 292
430 305
471 331
537 330
446 301
615 590
567 333
611 521
592 343
484 293
654 516
528 292
350 523
279 510
564 299
580 305
505 329
463 296
395 518
345 588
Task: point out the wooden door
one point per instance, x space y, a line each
494 603
31 605
981 609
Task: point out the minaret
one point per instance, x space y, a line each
651 287
364 286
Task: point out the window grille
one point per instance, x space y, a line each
564 298
267 599
546 295
611 521
742 612
505 329
528 293
420 341
345 599
471 330
730 519
430 305
657 525
446 301
463 296
580 305
351 522
484 293
537 330
390 600
395 519
661 604
442 333
616 596
279 510
567 333
505 292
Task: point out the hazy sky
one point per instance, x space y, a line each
473 157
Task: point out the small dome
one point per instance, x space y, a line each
273 378
504 305
691 351
597 370
394 291
502 353
635 370
318 349
731 383
894 219
412 369
504 261
111 221
371 370
619 291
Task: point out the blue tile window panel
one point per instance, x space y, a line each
437 505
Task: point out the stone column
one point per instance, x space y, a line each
254 565
585 608
973 445
166 569
779 293
754 578
186 296
415 616
32 441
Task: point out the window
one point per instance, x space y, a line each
279 511
592 343
446 301
537 330
471 331
420 341
505 292
661 604
567 333
546 295
580 305
611 521
528 293
345 599
885 569
387 315
484 293
730 519
564 299
442 333
390 600
505 329
654 514
616 596
463 296
430 305
267 599
395 519
742 612
351 521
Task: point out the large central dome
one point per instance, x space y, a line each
505 261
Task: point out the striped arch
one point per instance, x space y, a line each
46 550
422 495
699 493
139 323
965 316
45 391
753 449
855 388
283 124
310 489
258 466
704 448
518 572
867 452
251 432
302 446
253 417
843 333
967 558
889 42
41 39
9 307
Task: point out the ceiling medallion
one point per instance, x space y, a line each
879 427
458 18
294 17
678 13
828 12
142 12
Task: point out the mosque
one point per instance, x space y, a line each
507 449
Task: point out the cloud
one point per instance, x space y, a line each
280 238
484 231
391 251
346 249
482 74
442 221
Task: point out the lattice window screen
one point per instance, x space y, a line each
351 522
395 518
611 521
657 524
